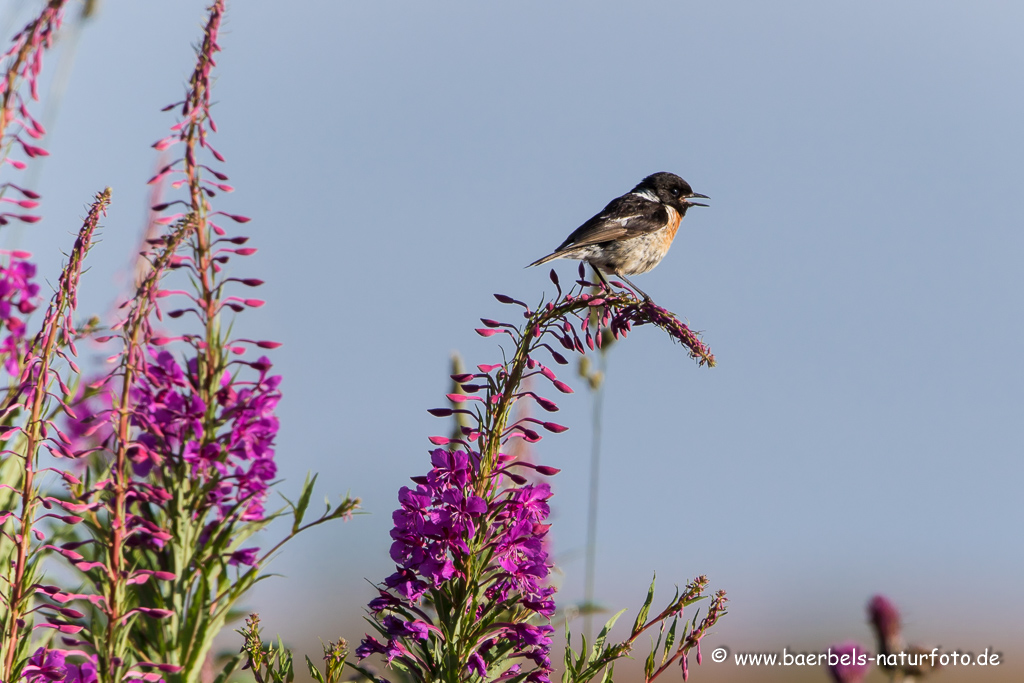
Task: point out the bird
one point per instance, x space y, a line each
634 232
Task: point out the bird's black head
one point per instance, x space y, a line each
671 190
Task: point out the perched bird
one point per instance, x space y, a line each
633 233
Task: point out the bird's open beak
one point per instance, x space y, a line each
695 194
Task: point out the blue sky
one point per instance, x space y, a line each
858 276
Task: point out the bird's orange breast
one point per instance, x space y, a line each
673 222
668 233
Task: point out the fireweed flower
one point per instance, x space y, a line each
19 296
81 673
45 665
51 666
469 598
172 416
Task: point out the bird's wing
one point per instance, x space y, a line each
625 217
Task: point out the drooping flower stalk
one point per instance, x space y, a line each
469 541
36 400
619 311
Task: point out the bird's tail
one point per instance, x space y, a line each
549 257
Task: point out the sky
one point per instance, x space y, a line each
857 275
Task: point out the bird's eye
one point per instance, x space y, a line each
674 191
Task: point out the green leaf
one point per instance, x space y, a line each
567 674
229 668
365 673
313 671
300 507
670 640
583 659
641 617
603 635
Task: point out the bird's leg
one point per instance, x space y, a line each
645 295
600 276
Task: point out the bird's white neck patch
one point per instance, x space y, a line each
646 194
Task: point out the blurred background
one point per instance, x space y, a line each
858 277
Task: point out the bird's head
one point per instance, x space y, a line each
671 190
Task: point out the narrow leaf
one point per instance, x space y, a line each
641 617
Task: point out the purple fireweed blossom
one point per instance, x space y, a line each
81 673
50 666
171 415
476 665
437 521
533 643
246 556
45 665
415 629
369 646
19 296
439 527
